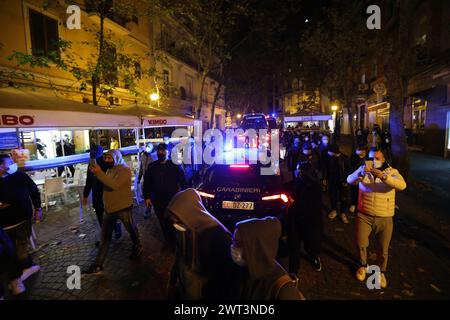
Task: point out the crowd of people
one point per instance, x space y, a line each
363 184
210 262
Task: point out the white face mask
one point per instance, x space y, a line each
12 168
236 255
360 153
377 164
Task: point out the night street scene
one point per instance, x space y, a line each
237 152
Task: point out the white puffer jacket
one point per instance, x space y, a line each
377 197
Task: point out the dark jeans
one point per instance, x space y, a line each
20 236
355 195
109 222
61 170
99 211
338 198
160 204
309 231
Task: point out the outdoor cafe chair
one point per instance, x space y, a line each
54 186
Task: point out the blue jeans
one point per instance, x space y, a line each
108 225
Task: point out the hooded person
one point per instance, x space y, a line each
254 249
203 268
96 187
118 202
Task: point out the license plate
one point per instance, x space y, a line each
238 205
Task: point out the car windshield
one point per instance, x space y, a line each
254 122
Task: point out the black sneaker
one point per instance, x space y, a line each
136 252
94 269
317 264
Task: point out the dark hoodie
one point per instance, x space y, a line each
259 240
203 263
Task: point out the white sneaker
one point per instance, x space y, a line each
383 281
16 287
352 209
361 273
28 272
332 215
344 218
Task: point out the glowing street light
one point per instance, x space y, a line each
334 108
239 116
154 97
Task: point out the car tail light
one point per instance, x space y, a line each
281 197
206 195
239 166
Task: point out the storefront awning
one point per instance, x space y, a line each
24 108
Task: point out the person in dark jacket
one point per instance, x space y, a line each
305 218
162 180
96 187
385 144
357 160
254 249
292 155
20 204
310 155
203 268
9 265
337 172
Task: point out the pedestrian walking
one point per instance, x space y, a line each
114 143
374 139
94 185
162 180
20 204
305 218
378 183
147 156
118 202
337 170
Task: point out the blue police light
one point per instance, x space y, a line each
273 115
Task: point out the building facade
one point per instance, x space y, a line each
29 28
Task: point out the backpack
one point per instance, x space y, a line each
281 282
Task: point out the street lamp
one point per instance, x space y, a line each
239 116
154 97
334 108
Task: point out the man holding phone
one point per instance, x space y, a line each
377 182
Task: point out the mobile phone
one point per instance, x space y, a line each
369 164
92 162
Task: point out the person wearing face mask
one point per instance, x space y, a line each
293 155
118 202
377 182
254 250
162 180
337 170
374 139
20 204
310 155
95 186
147 156
357 159
305 218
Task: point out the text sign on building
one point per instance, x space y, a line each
160 122
12 120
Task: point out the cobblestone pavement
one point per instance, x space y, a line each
419 261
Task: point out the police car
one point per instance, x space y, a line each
237 192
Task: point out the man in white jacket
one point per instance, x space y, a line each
377 185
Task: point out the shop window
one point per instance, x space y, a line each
44 35
419 112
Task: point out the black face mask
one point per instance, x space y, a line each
161 156
109 165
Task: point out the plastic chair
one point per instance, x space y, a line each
52 187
